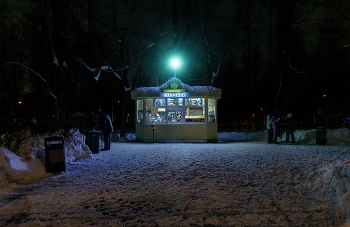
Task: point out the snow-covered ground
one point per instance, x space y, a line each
240 181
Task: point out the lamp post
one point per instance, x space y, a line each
175 63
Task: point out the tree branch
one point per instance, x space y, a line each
32 71
47 85
107 69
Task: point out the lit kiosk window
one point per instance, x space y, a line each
178 112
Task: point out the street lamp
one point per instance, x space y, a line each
175 63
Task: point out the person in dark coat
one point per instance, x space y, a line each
291 128
269 128
106 126
275 122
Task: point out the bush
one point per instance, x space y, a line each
15 135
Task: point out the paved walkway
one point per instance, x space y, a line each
223 184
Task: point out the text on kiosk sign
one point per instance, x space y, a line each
174 94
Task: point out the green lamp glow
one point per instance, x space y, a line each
175 63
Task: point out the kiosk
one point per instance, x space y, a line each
176 112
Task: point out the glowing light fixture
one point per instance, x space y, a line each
175 63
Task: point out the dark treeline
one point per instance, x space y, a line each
265 55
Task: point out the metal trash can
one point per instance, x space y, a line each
55 158
321 136
94 141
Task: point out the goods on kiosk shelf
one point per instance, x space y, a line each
194 118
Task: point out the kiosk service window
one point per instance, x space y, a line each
176 110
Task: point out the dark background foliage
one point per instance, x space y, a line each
284 55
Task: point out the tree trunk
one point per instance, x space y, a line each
58 49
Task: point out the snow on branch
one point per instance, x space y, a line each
107 69
47 85
296 69
149 46
32 71
55 59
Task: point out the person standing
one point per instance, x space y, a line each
269 128
106 126
275 122
291 128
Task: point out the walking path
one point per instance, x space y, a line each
223 184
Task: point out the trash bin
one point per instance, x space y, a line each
55 158
94 141
321 136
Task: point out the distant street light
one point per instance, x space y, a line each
175 63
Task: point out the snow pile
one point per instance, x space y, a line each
76 149
129 137
334 179
243 136
28 164
339 137
16 168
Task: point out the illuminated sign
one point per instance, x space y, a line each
175 94
174 84
174 90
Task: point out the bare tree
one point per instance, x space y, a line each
130 40
217 26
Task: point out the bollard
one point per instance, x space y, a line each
321 136
153 127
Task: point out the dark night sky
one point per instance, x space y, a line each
254 49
